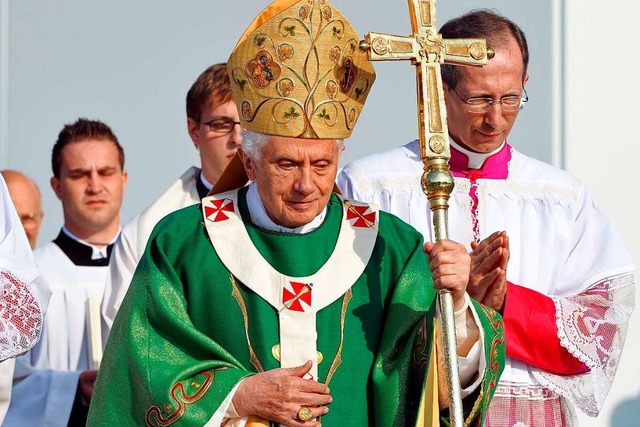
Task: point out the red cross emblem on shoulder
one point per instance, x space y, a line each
361 216
301 292
216 212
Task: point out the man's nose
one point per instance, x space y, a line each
493 116
94 185
235 138
304 181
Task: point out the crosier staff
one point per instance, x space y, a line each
427 50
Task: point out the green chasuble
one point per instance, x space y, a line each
188 330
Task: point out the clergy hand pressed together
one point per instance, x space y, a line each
281 301
489 260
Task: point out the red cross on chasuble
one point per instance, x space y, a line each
361 216
301 292
216 211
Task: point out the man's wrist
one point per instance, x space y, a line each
461 306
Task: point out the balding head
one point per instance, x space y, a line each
26 198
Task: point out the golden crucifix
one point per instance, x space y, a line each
427 50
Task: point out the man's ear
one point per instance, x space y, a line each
55 186
125 178
249 165
524 82
192 127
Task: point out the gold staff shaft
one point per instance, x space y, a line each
426 50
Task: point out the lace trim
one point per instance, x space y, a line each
20 316
525 410
525 391
592 326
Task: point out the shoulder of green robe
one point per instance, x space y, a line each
176 221
388 223
495 351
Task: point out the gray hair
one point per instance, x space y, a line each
254 142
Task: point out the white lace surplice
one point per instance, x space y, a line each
561 245
23 294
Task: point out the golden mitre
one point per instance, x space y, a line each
297 71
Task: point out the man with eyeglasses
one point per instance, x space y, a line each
214 128
543 254
28 202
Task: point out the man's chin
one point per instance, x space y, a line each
297 219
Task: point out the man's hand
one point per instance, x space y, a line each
488 280
449 263
87 379
278 395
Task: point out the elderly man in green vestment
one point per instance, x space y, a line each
280 302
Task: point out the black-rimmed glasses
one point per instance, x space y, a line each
221 124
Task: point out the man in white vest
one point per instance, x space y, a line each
53 383
213 125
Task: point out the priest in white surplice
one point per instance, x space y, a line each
543 254
53 383
213 124
23 294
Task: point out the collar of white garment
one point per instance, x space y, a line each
260 217
296 300
97 251
204 181
476 160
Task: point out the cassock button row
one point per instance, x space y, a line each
275 351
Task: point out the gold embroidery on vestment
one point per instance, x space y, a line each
253 358
343 314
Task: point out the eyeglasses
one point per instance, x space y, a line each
30 219
509 103
221 125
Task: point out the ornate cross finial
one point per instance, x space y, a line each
426 49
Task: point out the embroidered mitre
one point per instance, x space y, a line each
297 72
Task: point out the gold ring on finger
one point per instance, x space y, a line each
304 413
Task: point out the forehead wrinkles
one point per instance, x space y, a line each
302 150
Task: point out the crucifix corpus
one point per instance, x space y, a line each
427 50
